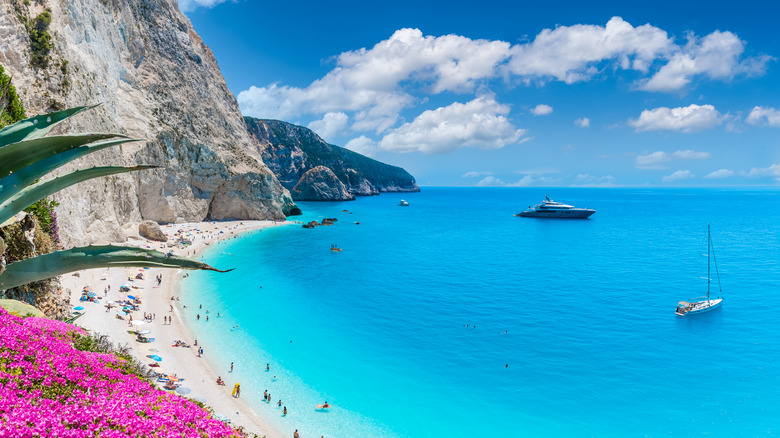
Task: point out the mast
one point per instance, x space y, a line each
709 249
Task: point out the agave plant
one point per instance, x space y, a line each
26 156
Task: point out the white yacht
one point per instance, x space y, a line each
706 303
403 203
551 209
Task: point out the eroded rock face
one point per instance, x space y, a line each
320 184
151 230
290 151
157 81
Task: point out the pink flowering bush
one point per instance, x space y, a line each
48 388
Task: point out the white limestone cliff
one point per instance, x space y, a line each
158 81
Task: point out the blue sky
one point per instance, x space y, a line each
509 94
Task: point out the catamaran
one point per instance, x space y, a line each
703 304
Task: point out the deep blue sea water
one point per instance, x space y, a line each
407 332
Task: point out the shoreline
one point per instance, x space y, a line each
157 300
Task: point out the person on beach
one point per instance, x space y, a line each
280 402
284 411
238 391
265 395
268 367
231 367
295 434
198 316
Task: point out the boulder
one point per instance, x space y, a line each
151 230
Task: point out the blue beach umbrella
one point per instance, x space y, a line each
131 297
183 390
78 308
156 357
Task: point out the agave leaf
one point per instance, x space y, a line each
89 257
19 308
2 256
42 189
37 126
18 155
17 181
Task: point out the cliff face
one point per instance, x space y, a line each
290 151
158 81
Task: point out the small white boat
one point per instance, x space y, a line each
705 303
403 203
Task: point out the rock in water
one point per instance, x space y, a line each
320 184
151 230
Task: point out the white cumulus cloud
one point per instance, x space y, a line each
720 173
330 125
191 5
542 110
687 119
678 176
362 145
570 53
764 116
656 159
526 181
717 55
480 123
760 172
583 122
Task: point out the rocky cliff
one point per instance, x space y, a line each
320 184
157 81
290 151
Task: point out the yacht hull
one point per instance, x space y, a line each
580 213
702 307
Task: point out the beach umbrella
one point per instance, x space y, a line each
78 308
199 399
155 357
139 322
131 297
154 350
144 332
91 294
183 390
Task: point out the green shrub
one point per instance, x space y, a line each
11 107
40 39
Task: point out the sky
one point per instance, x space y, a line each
517 94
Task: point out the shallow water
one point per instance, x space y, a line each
409 330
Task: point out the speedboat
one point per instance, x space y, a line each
558 210
403 203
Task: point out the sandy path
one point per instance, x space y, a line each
156 300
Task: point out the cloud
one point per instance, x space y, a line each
474 174
330 125
191 5
526 181
583 122
687 119
678 176
717 56
377 87
760 172
655 160
570 53
720 173
764 116
588 180
362 145
480 123
542 110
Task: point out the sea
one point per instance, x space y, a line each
454 318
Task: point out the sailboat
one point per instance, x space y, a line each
703 304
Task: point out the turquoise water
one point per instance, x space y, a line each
581 311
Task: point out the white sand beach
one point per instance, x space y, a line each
156 300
